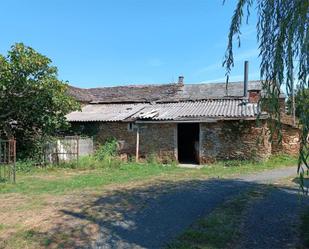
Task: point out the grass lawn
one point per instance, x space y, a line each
59 181
31 215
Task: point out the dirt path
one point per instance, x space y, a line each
160 213
273 221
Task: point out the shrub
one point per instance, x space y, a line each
152 159
107 151
25 165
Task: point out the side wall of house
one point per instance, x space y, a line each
234 140
103 131
158 140
290 141
155 140
221 140
119 131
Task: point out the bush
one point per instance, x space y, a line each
104 157
152 159
25 166
107 151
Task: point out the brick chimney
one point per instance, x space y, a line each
180 80
254 95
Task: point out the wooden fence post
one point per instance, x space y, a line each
137 144
77 148
13 145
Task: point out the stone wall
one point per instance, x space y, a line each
234 140
155 140
118 130
290 141
158 140
220 140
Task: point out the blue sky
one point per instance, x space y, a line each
118 42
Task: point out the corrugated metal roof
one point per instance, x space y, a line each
222 108
105 112
219 108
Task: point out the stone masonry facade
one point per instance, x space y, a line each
221 140
158 140
234 140
290 141
155 140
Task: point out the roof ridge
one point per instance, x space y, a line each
125 86
161 84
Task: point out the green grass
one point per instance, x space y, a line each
232 167
37 186
62 180
21 239
2 226
219 229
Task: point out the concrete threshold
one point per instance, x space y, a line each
190 166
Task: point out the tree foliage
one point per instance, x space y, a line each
301 99
33 102
283 39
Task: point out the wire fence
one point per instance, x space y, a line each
8 160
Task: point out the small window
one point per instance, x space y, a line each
130 126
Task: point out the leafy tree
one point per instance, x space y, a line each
301 100
283 39
33 102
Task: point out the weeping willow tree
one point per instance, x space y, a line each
283 40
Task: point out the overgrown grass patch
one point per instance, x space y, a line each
2 226
62 180
33 202
22 239
237 167
55 180
219 229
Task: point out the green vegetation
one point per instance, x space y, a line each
58 181
30 208
107 151
221 228
91 173
22 239
301 102
28 80
282 37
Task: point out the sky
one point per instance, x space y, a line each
96 43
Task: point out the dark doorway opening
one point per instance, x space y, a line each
188 142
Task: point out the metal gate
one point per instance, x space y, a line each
8 160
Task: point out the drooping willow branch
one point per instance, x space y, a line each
283 40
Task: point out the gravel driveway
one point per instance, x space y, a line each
162 212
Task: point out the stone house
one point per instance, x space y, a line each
189 123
